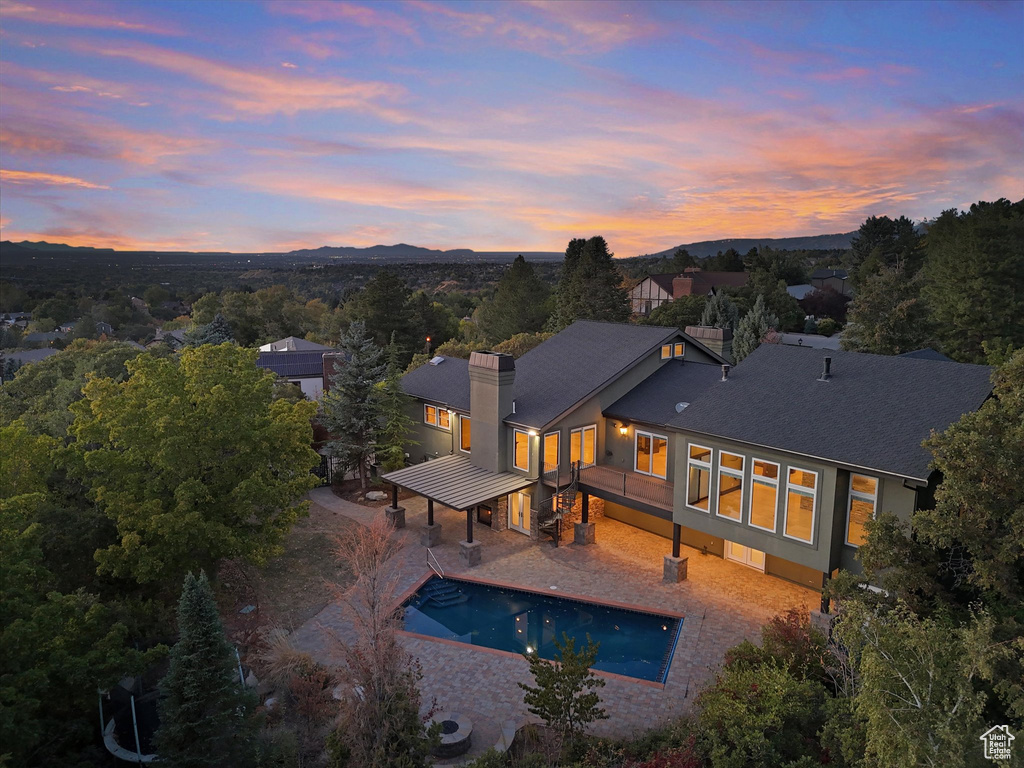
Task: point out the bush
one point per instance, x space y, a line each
828 327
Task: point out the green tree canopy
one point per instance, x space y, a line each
681 312
882 242
383 308
887 316
217 331
720 312
194 461
590 287
753 329
520 304
396 426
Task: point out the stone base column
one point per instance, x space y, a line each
675 569
430 535
396 516
499 518
470 551
583 533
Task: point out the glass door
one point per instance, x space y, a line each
519 511
754 558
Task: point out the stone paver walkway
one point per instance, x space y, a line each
724 602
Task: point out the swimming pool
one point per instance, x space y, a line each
633 643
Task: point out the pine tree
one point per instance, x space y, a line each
720 312
217 331
205 712
752 329
351 410
591 285
396 425
887 316
520 304
383 306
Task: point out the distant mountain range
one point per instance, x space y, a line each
403 252
707 248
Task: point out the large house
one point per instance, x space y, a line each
776 463
655 290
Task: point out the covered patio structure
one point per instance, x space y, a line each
455 482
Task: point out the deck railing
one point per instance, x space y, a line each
630 485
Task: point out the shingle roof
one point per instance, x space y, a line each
873 413
294 344
654 400
664 281
292 363
927 354
447 383
824 274
572 364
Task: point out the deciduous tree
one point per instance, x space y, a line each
565 694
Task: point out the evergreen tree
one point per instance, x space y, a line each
217 331
682 259
383 307
396 424
85 329
427 319
887 317
351 410
974 278
591 285
883 242
752 329
720 312
564 694
520 304
681 312
205 712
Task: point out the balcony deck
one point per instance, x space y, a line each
632 486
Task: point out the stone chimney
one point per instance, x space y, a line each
716 339
491 375
681 286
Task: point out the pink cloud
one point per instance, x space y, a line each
364 16
60 15
36 178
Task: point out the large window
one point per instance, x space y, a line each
651 454
801 491
465 433
730 485
666 351
764 495
698 482
863 505
679 349
551 452
583 445
437 417
522 451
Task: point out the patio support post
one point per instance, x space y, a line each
469 550
675 566
585 503
394 496
583 531
395 513
430 536
676 535
430 511
469 526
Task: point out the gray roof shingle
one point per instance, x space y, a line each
292 363
927 354
873 413
446 383
654 400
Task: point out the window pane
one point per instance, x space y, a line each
698 488
666 351
800 477
643 452
551 452
732 461
464 433
863 484
799 515
659 462
574 445
678 352
431 415
762 506
700 454
730 491
765 469
589 436
522 458
860 513
444 418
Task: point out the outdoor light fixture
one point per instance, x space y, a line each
533 433
623 429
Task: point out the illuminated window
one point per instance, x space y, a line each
698 481
551 452
522 451
666 351
863 504
730 485
801 491
583 445
651 454
764 495
679 349
444 418
464 433
430 415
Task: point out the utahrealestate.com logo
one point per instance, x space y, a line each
997 742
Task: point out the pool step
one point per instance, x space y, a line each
443 593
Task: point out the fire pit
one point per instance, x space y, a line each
456 734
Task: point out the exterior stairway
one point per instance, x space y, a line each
444 593
549 521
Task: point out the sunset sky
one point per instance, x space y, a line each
498 126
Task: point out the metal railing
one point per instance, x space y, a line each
434 566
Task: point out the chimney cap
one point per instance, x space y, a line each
494 361
826 369
725 371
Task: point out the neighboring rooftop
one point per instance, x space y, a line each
656 400
294 344
292 364
800 291
26 356
813 340
703 282
873 412
824 274
928 354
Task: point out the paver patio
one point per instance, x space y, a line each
724 602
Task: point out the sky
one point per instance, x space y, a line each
266 126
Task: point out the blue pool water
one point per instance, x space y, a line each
633 643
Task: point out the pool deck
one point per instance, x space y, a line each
723 602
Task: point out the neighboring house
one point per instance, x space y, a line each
68 327
928 354
655 290
25 356
836 279
294 344
812 340
39 338
174 339
139 304
776 464
18 319
304 369
800 291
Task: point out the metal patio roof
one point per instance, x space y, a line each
456 482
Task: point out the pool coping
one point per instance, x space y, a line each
510 654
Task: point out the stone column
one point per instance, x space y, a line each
395 513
